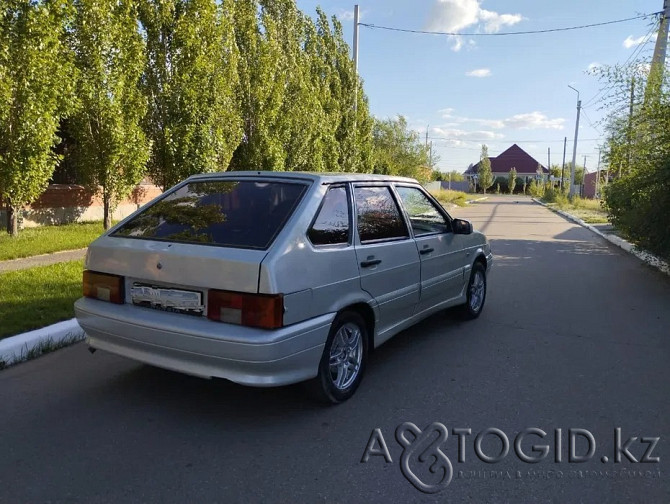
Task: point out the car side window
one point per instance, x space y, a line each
331 226
379 217
423 214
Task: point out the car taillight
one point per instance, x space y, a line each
103 286
253 310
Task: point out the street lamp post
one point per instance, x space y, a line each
574 147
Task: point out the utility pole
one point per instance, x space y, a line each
548 164
431 153
658 60
565 144
355 49
574 147
427 135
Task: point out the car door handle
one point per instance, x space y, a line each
426 250
370 261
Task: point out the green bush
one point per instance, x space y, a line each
638 204
555 195
536 189
447 197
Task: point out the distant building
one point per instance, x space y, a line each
514 157
589 190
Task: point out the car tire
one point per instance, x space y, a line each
475 294
343 361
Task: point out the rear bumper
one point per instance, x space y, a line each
201 347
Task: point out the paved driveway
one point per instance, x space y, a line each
574 336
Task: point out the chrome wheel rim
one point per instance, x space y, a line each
477 291
346 356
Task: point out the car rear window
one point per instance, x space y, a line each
238 214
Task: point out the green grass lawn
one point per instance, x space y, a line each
36 297
589 210
447 197
47 239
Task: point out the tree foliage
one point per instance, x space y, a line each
638 154
111 146
190 77
35 87
511 180
399 150
484 174
176 87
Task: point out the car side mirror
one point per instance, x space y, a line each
461 226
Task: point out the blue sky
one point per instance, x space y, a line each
493 90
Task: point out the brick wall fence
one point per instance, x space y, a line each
61 204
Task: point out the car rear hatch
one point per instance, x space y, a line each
202 235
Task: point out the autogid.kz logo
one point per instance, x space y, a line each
426 465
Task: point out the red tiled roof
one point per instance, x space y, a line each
514 157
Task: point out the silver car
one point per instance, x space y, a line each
269 278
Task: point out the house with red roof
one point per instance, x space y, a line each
514 157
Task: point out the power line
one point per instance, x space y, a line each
528 32
588 119
631 58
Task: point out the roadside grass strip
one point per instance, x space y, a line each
48 239
37 297
447 197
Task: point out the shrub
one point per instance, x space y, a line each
638 204
555 195
536 189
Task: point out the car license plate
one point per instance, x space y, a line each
167 299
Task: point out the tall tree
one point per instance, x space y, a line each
398 150
485 175
35 81
511 180
260 90
111 147
298 124
193 120
325 72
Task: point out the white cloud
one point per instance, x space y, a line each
594 66
533 120
348 15
455 15
463 135
634 42
456 42
480 72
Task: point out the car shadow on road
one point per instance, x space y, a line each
217 400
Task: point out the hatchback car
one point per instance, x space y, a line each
268 278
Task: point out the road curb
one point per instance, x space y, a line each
478 199
24 346
643 255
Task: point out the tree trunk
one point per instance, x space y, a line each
12 220
107 215
8 218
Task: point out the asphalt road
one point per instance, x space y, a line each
575 334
